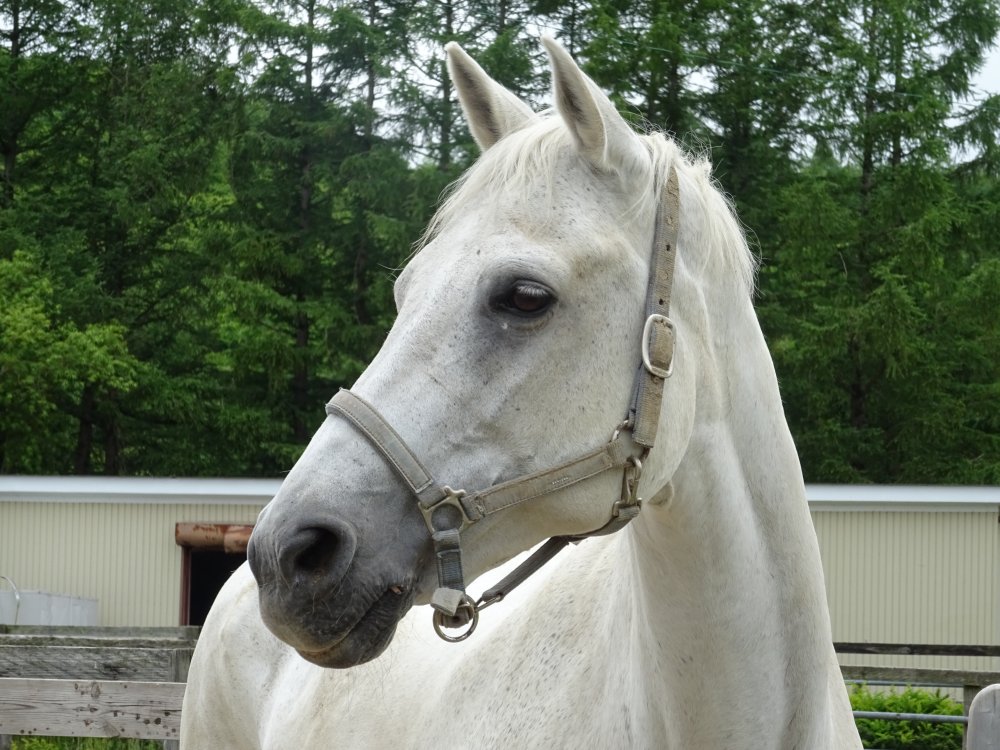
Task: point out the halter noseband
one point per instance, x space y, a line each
449 512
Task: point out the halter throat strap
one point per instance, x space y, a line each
449 512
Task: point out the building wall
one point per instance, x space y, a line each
902 565
122 554
912 577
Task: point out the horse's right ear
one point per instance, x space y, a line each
492 111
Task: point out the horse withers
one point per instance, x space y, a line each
573 269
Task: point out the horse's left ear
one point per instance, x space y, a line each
601 135
492 111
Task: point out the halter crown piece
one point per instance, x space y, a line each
449 512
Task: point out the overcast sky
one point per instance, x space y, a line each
988 79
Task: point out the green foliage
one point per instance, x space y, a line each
203 207
907 735
82 743
46 364
868 271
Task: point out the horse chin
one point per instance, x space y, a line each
351 651
367 639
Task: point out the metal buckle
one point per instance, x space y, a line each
630 485
646 331
468 605
451 497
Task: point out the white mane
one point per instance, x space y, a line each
514 165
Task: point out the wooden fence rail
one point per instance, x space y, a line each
905 649
93 682
129 682
81 708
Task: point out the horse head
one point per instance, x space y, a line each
516 346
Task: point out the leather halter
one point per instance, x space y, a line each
449 512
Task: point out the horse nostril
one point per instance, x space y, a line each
316 555
319 555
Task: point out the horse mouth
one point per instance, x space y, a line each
368 637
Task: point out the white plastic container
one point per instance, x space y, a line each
44 608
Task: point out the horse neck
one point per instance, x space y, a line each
725 575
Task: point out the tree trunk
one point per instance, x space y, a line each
672 106
300 382
300 366
868 138
651 91
859 418
360 287
9 161
85 435
10 146
112 455
370 98
897 105
572 29
444 158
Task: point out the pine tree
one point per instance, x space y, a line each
646 53
862 295
106 186
318 185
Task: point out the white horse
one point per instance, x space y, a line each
702 625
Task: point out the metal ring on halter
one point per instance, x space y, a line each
467 603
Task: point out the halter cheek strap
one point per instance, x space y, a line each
449 512
658 334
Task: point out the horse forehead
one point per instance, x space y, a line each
573 229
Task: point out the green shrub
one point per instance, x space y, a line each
83 743
907 735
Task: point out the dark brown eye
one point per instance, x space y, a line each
527 298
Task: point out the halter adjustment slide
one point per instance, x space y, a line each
661 353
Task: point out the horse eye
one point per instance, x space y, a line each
527 298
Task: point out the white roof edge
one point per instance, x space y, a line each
179 490
902 498
896 492
139 490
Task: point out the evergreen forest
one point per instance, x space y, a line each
204 204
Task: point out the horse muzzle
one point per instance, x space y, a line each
323 593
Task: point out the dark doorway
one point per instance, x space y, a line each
210 552
210 569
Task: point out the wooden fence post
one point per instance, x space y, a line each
180 663
984 720
6 741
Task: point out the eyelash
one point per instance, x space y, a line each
529 293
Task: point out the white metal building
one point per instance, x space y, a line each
903 564
113 538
